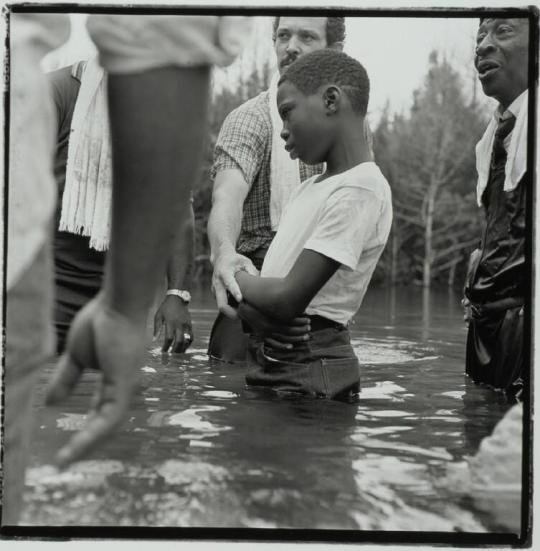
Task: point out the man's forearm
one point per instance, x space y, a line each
180 264
225 220
223 230
145 110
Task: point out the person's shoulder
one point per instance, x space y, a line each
256 109
257 103
368 178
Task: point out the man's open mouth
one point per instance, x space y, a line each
486 68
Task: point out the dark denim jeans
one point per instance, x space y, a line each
325 366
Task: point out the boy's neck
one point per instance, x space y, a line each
349 150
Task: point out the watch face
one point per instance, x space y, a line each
185 296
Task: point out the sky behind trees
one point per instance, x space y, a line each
394 50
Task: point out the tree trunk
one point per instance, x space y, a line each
426 313
452 273
393 259
428 239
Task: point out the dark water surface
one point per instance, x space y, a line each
201 449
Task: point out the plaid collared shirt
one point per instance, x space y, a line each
245 143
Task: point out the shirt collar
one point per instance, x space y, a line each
513 109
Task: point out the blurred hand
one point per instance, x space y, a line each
173 314
276 334
103 339
467 312
225 266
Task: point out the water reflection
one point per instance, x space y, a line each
426 313
483 408
201 449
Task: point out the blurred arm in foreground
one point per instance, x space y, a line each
158 95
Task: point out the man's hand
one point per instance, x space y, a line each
467 312
103 339
174 315
225 266
276 333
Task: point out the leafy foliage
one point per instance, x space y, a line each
428 158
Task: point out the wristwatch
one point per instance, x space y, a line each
185 296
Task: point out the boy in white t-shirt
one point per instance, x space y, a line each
331 234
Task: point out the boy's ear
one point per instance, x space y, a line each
336 46
332 99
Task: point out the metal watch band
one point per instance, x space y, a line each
183 295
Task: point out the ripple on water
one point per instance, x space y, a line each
363 431
380 481
453 394
83 474
435 452
201 444
387 413
193 351
190 419
219 394
71 421
374 351
177 472
148 369
383 390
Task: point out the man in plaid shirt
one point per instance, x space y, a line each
240 228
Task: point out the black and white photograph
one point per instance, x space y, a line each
268 273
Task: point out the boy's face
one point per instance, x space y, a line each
306 130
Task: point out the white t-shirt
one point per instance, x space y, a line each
346 217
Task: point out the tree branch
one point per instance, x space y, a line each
456 247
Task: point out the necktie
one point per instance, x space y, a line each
498 155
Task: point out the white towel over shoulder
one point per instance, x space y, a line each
516 161
87 198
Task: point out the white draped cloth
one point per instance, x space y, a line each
516 161
87 198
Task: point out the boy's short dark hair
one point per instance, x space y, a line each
335 29
315 69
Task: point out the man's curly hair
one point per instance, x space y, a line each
315 69
335 29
